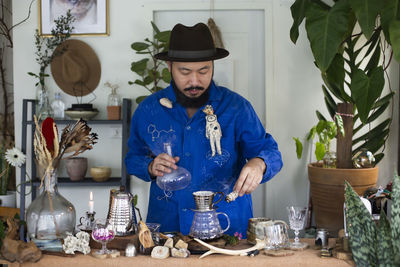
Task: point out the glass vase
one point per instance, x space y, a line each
50 216
43 107
114 105
329 160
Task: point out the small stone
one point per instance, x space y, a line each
169 243
166 102
160 252
181 244
180 253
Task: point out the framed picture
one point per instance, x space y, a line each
91 16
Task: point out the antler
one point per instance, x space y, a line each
243 252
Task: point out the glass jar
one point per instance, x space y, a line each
43 108
50 216
329 160
58 106
114 104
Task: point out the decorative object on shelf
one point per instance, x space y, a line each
205 223
58 106
45 55
76 114
77 72
103 232
113 102
80 243
87 223
121 214
363 159
92 17
50 216
373 244
297 218
100 173
151 70
76 168
175 180
260 244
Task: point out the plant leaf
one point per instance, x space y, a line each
339 123
299 147
319 150
384 245
298 10
366 12
155 28
163 36
366 90
394 30
389 12
361 229
139 46
139 66
326 31
166 75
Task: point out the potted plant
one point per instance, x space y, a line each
347 40
45 46
150 70
373 244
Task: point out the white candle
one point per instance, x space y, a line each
91 202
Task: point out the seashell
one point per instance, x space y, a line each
160 252
166 102
180 253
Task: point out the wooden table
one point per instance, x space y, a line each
308 257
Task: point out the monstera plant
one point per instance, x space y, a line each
349 40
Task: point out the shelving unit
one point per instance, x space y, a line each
28 110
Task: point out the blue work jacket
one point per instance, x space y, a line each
243 138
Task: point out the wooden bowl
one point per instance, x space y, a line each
101 173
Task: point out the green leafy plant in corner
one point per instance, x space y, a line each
347 39
150 70
326 131
371 244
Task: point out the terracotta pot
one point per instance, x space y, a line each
76 168
114 112
327 192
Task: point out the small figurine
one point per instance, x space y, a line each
213 130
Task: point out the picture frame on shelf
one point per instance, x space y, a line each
92 16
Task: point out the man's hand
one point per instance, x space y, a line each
163 163
250 176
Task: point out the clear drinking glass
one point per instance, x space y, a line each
297 218
103 232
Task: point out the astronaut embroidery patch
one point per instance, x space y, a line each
213 130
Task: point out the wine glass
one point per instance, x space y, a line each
103 232
297 219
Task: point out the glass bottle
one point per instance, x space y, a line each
329 160
50 216
58 106
114 104
176 179
43 108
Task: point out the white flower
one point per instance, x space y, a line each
15 157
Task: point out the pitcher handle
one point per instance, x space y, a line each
227 218
80 220
222 196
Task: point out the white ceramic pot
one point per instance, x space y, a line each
8 200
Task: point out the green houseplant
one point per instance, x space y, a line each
45 47
371 244
347 39
150 70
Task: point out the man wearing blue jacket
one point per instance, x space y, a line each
214 133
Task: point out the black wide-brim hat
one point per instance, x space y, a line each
191 44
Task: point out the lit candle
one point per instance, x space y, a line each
91 203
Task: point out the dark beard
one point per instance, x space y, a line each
188 102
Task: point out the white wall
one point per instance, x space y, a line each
293 96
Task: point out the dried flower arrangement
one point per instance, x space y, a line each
49 150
